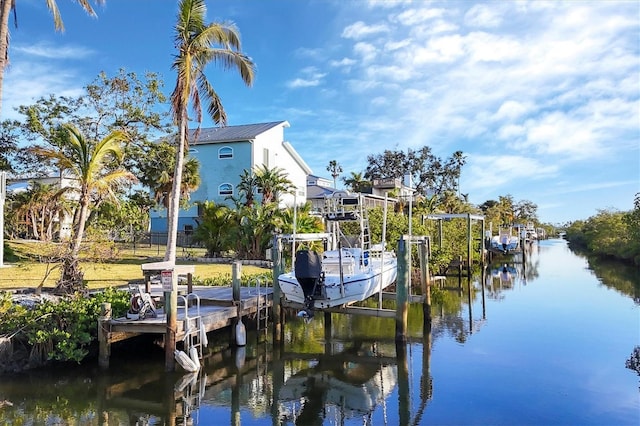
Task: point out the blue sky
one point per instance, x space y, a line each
542 97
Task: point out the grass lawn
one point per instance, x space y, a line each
26 271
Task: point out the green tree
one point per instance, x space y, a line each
157 169
247 188
272 183
92 164
123 102
8 143
198 44
215 228
8 6
356 183
41 206
430 174
335 169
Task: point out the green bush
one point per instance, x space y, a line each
60 330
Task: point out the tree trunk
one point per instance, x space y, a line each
174 201
5 11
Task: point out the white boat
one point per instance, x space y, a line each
505 242
347 271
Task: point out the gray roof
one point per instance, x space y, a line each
242 132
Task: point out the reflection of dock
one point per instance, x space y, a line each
171 397
217 309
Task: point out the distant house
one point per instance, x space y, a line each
224 153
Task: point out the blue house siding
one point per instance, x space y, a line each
215 171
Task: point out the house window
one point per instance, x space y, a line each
225 189
265 157
225 152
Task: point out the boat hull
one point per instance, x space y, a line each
354 288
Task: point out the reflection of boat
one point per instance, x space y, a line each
505 242
340 275
355 388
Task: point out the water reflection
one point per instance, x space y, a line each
347 384
347 370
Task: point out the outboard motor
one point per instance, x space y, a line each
308 271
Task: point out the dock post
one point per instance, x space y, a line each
469 244
276 257
171 310
236 274
402 287
424 280
104 335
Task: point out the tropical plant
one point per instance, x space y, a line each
357 183
335 169
198 44
8 6
94 166
215 228
157 171
271 183
247 188
39 207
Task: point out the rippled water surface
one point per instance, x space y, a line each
544 342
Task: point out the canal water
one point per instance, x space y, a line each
549 341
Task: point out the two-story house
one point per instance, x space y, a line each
224 153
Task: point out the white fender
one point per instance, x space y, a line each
241 334
193 354
185 362
203 337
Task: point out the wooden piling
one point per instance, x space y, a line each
402 289
171 309
103 335
278 269
425 279
236 275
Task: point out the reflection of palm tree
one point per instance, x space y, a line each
198 44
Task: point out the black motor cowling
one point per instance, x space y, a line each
308 271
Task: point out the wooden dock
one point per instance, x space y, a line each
217 310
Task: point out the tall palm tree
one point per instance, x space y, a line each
198 44
335 169
9 6
91 164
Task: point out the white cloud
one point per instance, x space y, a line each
51 51
484 15
366 51
360 30
511 110
342 63
414 16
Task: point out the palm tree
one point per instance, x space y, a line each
335 169
247 188
356 182
91 164
271 183
198 44
8 6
